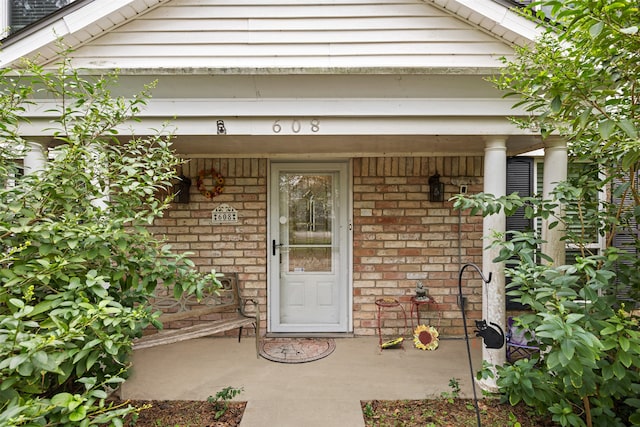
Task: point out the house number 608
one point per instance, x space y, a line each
296 126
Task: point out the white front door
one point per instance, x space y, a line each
309 248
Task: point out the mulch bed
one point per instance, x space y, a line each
193 413
376 413
448 413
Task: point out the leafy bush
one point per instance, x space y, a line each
589 371
77 264
579 82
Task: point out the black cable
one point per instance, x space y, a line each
466 334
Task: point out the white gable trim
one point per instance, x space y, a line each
493 17
98 17
77 27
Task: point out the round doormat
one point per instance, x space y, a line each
296 350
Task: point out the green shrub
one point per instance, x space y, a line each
579 82
76 267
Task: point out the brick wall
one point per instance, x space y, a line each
400 237
229 248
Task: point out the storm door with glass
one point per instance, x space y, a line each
308 248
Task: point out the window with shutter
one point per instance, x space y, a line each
627 238
520 181
584 232
26 12
525 176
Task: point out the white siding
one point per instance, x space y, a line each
228 34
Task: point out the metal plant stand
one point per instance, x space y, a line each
389 303
415 307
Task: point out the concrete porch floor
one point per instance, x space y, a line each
325 392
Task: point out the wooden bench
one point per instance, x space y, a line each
227 302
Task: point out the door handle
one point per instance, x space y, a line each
274 246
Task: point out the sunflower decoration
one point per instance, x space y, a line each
218 182
425 337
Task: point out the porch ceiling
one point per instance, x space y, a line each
335 146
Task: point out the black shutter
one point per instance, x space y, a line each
519 180
627 238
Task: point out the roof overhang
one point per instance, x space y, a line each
75 26
351 125
495 18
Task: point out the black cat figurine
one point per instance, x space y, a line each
492 338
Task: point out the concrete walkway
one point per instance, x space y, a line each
323 393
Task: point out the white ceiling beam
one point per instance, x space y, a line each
310 125
312 107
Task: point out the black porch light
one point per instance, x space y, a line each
181 190
436 188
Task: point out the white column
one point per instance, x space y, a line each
555 170
493 293
5 13
34 159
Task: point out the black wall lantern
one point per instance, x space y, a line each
181 190
436 188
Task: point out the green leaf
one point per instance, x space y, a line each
62 399
624 343
40 357
514 399
605 128
43 306
91 360
100 394
596 29
585 117
607 372
25 369
81 355
568 349
576 381
18 303
17 360
46 249
619 370
574 317
556 104
629 128
553 360
625 358
78 414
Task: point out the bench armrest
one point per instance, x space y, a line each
243 307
